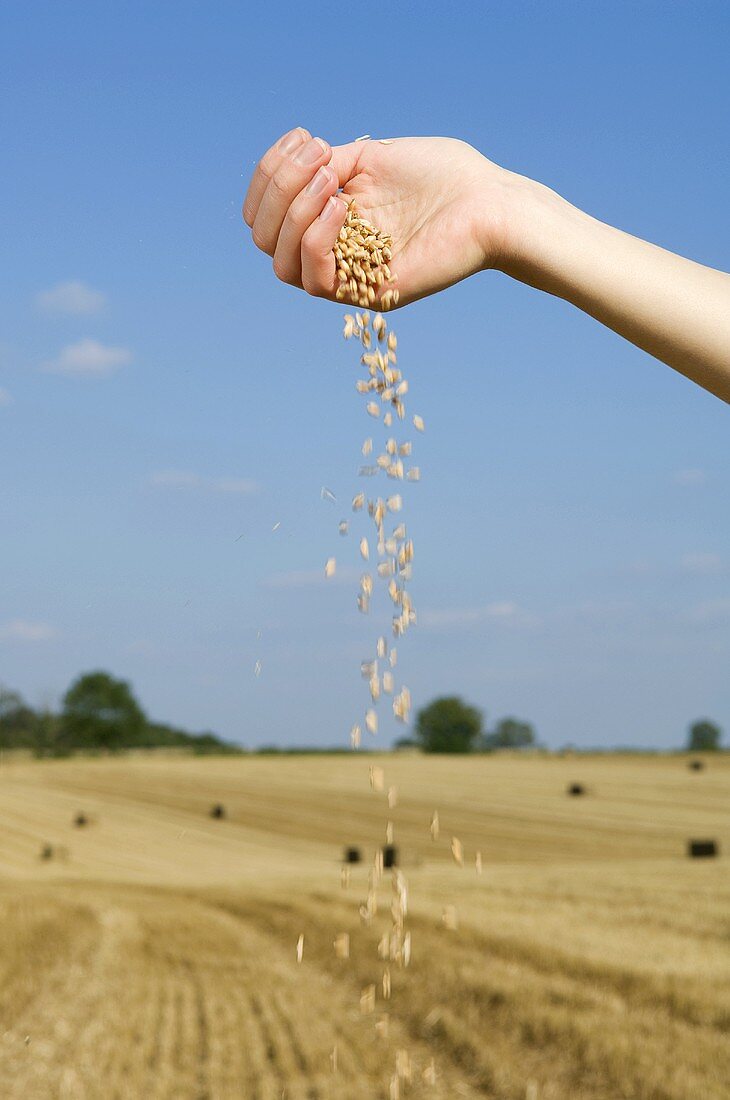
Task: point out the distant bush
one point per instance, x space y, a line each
448 725
99 715
704 736
510 733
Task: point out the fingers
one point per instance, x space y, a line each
305 208
318 261
266 167
292 174
292 208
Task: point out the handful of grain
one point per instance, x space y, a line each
362 255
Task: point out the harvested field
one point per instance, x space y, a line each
591 958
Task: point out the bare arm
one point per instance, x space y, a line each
451 212
677 310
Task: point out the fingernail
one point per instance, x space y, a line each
333 206
319 182
310 152
290 141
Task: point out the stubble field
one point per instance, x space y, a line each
155 954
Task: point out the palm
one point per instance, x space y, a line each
423 191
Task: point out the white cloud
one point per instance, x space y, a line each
88 358
185 479
689 477
72 297
703 565
5 398
504 611
20 630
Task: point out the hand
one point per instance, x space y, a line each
446 207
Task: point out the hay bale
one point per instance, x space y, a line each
576 789
218 811
353 855
81 820
696 765
702 849
390 855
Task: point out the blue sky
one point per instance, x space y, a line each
164 402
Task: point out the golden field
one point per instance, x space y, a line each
155 954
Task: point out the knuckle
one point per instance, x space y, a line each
280 184
259 239
283 270
266 166
312 283
297 217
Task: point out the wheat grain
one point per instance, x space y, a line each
429 1073
362 252
342 945
450 918
376 777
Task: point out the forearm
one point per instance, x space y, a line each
677 310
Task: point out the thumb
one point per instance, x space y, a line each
345 159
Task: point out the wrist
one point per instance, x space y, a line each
542 230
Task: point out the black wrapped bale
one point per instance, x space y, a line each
218 811
696 765
81 820
702 849
353 855
47 851
390 856
576 789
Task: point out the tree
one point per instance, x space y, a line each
100 712
510 733
448 725
17 721
704 736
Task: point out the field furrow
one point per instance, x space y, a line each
157 959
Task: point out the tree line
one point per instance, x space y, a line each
99 713
448 724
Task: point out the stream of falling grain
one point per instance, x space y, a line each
362 255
